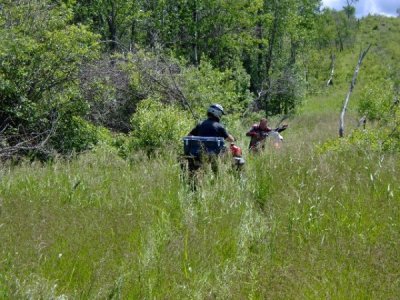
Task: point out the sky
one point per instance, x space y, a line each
365 7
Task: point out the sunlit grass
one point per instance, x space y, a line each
296 224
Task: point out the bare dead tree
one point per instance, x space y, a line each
181 95
352 84
163 76
330 80
107 87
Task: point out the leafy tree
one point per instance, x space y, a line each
200 28
180 52
40 54
265 35
349 9
116 20
205 85
283 30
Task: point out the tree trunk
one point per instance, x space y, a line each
112 27
258 86
330 80
269 56
195 20
132 36
352 84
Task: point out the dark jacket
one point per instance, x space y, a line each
210 127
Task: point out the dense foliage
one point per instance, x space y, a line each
41 54
156 126
71 68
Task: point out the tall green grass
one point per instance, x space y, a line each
296 224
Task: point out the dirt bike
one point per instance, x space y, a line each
274 137
236 152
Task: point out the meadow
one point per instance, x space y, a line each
297 224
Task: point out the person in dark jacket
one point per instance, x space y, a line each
211 126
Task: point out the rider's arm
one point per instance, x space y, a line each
230 138
252 132
223 133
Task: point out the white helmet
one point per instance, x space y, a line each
216 110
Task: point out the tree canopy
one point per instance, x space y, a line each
69 68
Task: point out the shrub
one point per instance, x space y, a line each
156 125
75 135
365 140
205 85
376 100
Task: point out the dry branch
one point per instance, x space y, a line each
26 142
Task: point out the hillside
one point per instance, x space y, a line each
302 222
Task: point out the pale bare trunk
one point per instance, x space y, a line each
330 80
352 84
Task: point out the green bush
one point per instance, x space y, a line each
75 135
374 140
157 126
376 100
204 85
